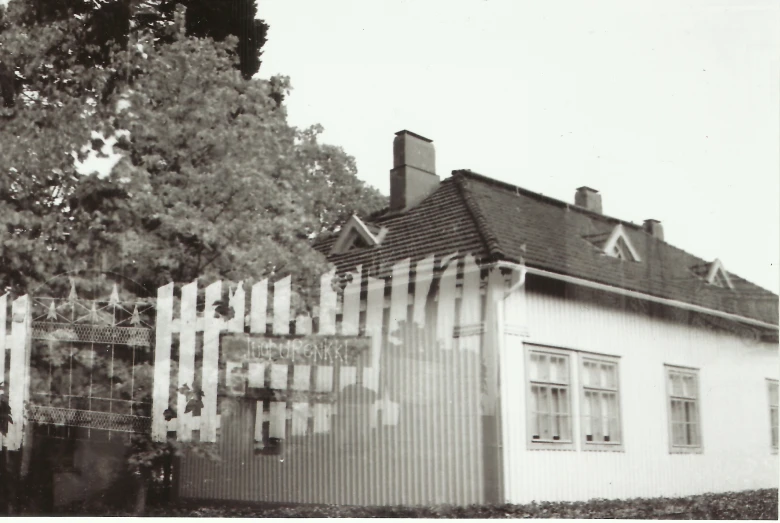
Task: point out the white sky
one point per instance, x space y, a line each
670 108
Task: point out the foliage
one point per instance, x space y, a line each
203 176
105 22
753 504
212 180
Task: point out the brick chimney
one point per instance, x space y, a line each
413 176
654 228
588 198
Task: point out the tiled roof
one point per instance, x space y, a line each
438 225
470 213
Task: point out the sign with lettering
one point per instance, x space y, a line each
315 349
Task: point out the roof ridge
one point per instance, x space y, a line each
483 228
547 199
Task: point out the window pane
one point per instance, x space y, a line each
565 427
558 369
614 430
606 412
608 376
534 366
587 413
677 387
677 411
544 402
563 401
694 433
678 436
587 374
690 412
689 386
544 426
553 375
774 421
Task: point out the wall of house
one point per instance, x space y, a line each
733 373
406 423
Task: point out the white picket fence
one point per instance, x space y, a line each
458 279
15 382
275 320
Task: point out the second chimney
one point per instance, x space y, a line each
413 176
654 228
588 198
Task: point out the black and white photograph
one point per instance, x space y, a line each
390 258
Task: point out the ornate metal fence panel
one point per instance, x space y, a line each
90 363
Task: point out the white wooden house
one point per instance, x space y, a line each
524 349
474 343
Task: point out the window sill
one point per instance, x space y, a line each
686 450
550 445
603 447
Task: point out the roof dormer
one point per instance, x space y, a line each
355 234
714 274
717 275
619 246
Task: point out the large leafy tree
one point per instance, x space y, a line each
212 180
154 157
105 21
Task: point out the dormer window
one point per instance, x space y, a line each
718 276
714 274
355 235
355 241
619 246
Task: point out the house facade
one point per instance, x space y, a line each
521 348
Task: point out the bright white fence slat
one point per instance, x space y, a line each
162 362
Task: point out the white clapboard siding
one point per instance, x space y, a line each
162 362
186 372
445 316
470 308
20 326
496 287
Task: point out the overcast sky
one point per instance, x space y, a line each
670 108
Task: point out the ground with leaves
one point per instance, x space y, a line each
753 504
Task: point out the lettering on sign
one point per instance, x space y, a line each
305 350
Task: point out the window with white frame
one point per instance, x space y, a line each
600 400
773 404
682 387
549 397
